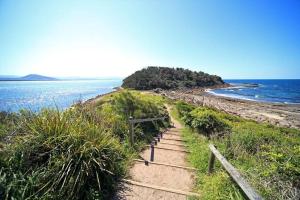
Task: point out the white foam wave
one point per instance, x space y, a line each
233 96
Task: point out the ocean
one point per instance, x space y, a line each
34 95
276 91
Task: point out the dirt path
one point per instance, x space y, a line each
168 177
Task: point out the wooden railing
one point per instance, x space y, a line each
235 175
134 121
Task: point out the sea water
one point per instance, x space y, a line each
277 91
34 95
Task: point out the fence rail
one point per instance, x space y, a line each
237 177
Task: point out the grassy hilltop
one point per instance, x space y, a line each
169 78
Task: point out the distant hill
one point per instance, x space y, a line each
36 77
169 78
30 77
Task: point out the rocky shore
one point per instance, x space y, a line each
284 115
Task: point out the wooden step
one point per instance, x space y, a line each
165 156
180 140
180 145
186 193
162 175
170 146
169 149
170 133
135 192
170 136
165 164
173 142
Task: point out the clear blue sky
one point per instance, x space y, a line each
230 38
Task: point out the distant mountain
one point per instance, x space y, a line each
169 78
29 77
36 77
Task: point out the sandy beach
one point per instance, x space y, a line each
284 115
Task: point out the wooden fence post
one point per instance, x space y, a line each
152 153
211 163
131 123
158 138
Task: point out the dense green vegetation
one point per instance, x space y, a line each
79 153
169 78
268 156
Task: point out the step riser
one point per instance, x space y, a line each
146 162
162 188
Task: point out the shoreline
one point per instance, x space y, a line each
279 114
99 96
209 91
239 97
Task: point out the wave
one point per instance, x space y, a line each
234 96
255 97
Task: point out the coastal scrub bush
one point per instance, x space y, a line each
208 122
276 152
66 155
79 153
184 110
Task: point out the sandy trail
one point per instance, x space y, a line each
164 180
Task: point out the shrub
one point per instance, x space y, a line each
66 155
187 119
184 108
276 151
207 122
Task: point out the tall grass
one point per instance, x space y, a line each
80 153
268 156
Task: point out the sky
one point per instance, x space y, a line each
234 39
